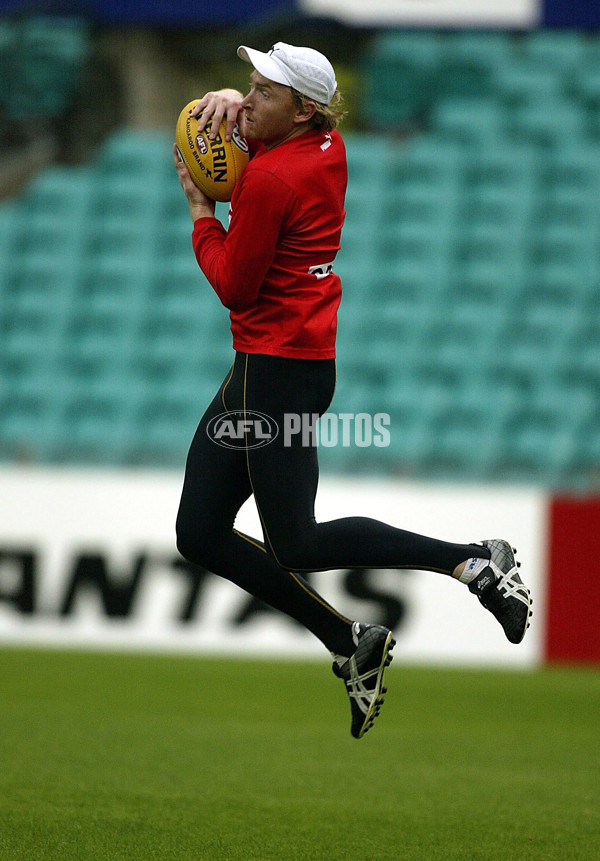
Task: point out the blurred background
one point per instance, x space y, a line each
470 255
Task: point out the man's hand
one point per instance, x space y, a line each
200 205
216 105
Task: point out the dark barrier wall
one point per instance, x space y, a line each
151 12
555 13
572 13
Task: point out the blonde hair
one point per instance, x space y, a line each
326 117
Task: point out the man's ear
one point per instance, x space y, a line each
305 114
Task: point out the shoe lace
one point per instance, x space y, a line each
357 690
512 588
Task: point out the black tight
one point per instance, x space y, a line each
283 477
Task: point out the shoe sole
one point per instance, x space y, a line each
529 598
529 603
377 701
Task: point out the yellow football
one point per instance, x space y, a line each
214 165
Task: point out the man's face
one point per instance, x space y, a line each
270 111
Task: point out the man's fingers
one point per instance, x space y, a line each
213 108
235 115
183 173
210 108
204 110
218 112
199 107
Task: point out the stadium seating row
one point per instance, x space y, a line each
407 75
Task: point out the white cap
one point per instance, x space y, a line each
306 70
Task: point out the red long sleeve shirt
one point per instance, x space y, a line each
273 267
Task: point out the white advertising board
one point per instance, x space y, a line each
435 13
88 558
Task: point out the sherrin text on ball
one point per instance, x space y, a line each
214 165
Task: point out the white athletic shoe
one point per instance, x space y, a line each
501 591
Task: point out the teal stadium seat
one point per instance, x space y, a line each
548 123
565 50
425 159
119 155
63 195
521 83
572 171
42 61
399 71
489 49
96 417
470 119
587 84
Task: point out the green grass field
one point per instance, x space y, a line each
144 757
